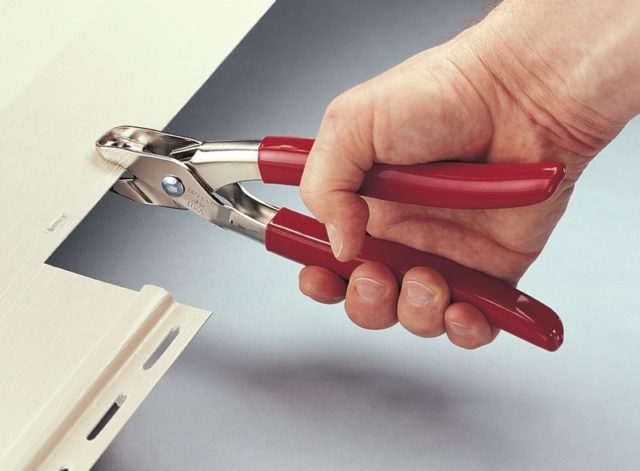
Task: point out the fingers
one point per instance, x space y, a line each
334 171
422 302
467 327
373 300
372 296
322 285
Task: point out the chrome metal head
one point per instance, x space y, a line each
148 156
184 173
119 143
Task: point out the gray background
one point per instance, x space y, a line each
274 381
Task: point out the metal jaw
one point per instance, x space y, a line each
183 173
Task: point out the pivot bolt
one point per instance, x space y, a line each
172 186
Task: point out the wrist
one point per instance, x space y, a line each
572 65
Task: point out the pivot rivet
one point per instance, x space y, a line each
172 186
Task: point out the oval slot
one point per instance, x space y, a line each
102 423
159 351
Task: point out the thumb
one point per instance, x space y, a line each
403 117
335 168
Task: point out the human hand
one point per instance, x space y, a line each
484 96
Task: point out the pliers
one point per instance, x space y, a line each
204 178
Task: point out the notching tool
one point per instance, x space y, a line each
204 178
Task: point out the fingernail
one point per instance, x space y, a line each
459 329
418 294
369 290
335 240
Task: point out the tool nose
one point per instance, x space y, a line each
146 154
123 142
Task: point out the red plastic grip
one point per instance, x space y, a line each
442 184
304 240
281 160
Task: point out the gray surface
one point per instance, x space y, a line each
274 381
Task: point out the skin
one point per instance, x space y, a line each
523 85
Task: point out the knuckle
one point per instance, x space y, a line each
336 107
310 196
343 122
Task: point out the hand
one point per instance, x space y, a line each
474 98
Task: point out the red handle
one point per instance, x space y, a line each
304 240
443 184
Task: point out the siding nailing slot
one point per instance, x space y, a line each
102 423
159 351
